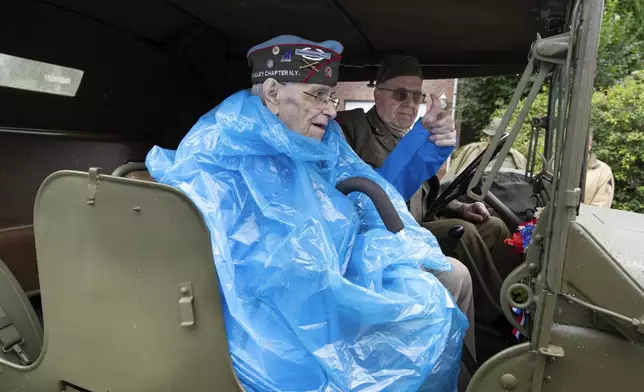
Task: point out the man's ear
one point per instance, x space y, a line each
271 90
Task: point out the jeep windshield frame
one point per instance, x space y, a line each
572 67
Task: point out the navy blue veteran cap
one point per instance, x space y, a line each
288 58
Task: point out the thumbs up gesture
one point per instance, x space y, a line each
440 124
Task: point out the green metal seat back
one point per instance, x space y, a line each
130 293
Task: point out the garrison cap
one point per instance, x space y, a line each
288 58
397 65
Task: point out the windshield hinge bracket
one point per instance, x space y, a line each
552 351
572 197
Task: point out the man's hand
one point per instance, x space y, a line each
440 124
475 212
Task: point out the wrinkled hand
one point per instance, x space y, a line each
475 212
440 124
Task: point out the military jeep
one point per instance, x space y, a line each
106 277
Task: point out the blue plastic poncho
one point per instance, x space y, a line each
319 296
413 161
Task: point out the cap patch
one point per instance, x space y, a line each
287 56
313 54
296 60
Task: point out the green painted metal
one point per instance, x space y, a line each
112 275
588 280
131 299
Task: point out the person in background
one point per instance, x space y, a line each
461 159
599 188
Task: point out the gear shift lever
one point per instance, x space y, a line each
456 232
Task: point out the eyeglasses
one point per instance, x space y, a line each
323 99
401 95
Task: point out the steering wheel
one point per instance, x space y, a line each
458 187
433 187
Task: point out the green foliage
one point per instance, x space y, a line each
621 51
478 98
618 139
538 109
621 43
617 118
618 103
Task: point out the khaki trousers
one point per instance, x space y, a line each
485 242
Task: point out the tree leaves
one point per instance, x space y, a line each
621 43
617 119
618 103
618 138
479 98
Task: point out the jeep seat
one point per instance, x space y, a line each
130 293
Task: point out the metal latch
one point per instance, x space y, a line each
186 310
11 340
552 351
92 186
17 349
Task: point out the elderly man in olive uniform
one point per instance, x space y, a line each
599 189
375 135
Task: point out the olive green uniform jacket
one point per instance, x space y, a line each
369 137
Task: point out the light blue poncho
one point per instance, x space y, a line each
319 296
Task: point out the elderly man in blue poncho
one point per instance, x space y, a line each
319 295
